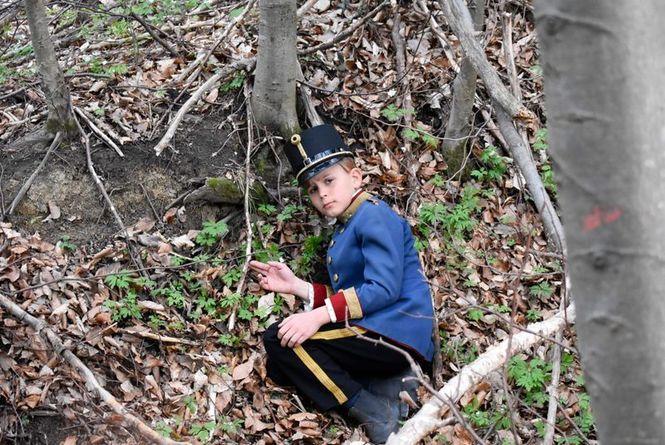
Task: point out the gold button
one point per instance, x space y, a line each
335 278
329 259
332 243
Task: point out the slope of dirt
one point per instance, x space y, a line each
140 184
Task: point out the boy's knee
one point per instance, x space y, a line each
270 339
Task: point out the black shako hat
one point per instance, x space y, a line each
314 150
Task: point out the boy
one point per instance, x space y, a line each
377 286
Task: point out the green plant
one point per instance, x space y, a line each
531 376
311 250
203 431
126 308
455 222
120 280
119 28
235 83
415 134
493 165
230 426
229 340
231 277
66 244
155 322
458 350
547 176
211 233
393 113
267 209
541 290
475 314
164 428
173 293
540 140
584 419
190 404
331 432
5 73
117 68
533 315
438 180
287 212
478 417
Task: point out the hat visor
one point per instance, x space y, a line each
318 166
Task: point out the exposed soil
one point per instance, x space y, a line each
141 185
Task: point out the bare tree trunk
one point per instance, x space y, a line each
464 91
60 117
604 80
274 94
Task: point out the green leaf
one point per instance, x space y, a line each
411 134
236 12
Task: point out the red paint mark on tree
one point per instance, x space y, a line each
597 218
593 220
612 215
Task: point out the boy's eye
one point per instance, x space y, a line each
329 180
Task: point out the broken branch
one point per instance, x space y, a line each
247 64
42 329
459 19
428 418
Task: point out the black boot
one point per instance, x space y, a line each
391 387
378 415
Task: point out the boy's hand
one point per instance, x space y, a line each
297 328
277 277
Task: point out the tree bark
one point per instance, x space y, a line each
604 92
274 93
464 91
60 118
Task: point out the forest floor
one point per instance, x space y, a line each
149 311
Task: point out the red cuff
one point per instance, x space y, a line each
339 306
321 292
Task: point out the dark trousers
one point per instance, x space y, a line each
331 366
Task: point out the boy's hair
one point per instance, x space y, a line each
347 163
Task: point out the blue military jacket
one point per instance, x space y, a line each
376 277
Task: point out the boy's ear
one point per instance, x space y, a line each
356 177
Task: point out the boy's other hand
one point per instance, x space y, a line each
277 277
297 328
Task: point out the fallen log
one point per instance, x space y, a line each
428 418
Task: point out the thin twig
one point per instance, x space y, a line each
248 221
224 72
154 35
160 338
31 179
86 141
343 35
305 7
99 132
154 212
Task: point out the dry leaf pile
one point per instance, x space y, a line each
158 339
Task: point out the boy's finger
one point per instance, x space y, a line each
258 266
276 264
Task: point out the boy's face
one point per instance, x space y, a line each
331 190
